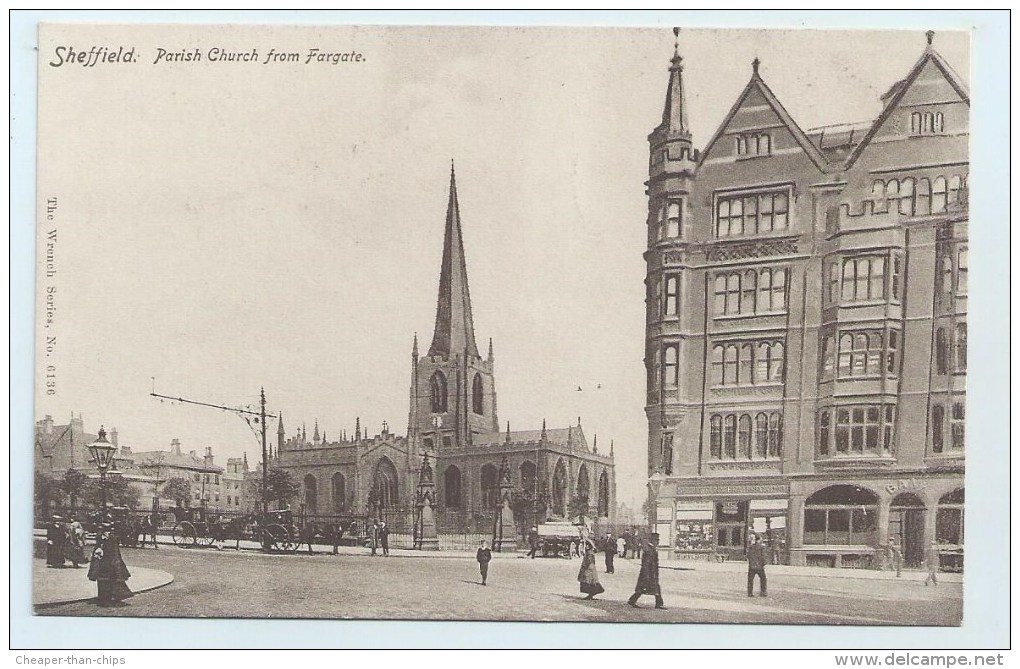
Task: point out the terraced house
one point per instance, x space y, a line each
806 338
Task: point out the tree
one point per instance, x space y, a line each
179 490
119 492
578 507
649 510
47 491
74 485
280 486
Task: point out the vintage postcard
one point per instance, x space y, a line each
503 324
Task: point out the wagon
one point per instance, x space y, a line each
274 530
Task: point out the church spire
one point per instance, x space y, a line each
315 435
455 330
674 114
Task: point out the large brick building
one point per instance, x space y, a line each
452 416
806 324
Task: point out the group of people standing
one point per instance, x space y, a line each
379 537
65 541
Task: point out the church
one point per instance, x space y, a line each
453 418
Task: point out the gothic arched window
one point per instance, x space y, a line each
452 487
339 493
438 387
311 494
490 486
476 395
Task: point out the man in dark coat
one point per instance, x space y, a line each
757 558
373 536
533 542
56 542
609 547
484 556
648 579
148 530
384 539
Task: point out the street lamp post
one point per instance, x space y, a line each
102 454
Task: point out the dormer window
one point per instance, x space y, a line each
756 144
927 123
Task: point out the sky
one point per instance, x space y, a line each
223 227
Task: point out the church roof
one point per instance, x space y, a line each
455 330
560 436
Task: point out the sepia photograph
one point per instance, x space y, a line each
491 323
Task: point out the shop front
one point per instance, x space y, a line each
715 521
872 523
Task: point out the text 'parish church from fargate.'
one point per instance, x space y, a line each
453 418
806 326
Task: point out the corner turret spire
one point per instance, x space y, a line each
455 331
674 114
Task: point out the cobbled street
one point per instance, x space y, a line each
210 583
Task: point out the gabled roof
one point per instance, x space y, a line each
172 460
901 87
757 83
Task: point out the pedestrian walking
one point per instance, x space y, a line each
75 550
384 539
621 546
373 536
107 568
533 541
56 542
757 557
484 556
609 547
648 578
897 555
931 561
587 575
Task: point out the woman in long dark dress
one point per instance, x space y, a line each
56 542
587 576
107 568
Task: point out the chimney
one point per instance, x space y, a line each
113 436
48 425
175 446
208 456
125 450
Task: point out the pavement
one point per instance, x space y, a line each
445 586
55 586
52 586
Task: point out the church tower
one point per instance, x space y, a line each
672 165
453 395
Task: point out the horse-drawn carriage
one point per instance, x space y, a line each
196 527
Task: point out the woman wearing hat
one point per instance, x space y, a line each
56 541
587 576
75 550
107 568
